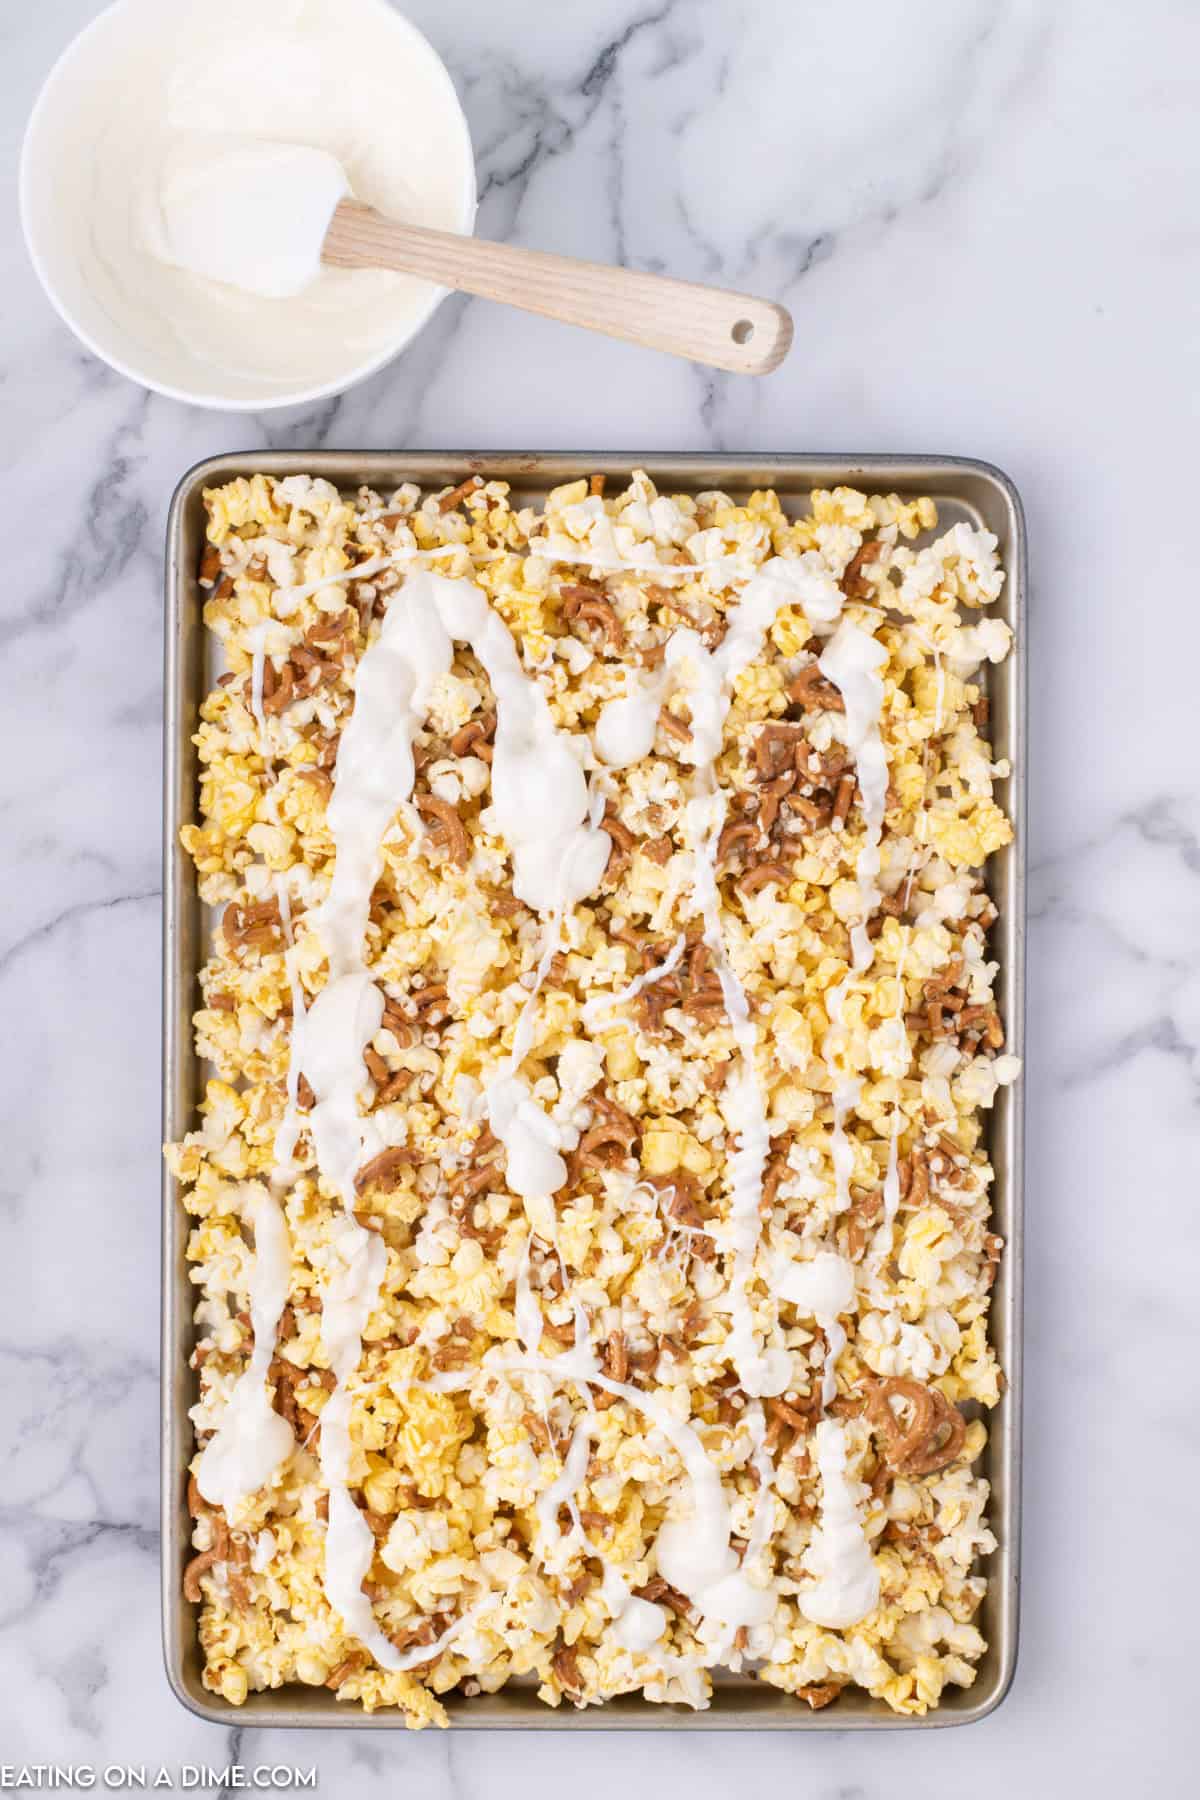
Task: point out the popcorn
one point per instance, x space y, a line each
458 1458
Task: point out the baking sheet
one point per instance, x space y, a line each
963 489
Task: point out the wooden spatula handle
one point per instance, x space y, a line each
706 324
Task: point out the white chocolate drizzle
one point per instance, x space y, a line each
541 805
891 1179
846 1581
744 1104
821 1289
256 638
846 1585
605 1003
252 1439
845 1093
852 660
693 1549
842 1557
637 1624
625 733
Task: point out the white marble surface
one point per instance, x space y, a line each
983 216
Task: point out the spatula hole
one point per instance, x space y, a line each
743 331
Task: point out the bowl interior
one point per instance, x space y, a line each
56 196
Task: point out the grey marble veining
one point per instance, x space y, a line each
983 217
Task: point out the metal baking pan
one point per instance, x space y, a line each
963 489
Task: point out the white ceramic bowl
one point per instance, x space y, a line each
55 219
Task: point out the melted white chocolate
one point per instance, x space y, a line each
846 1584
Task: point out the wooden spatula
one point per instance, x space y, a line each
706 324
